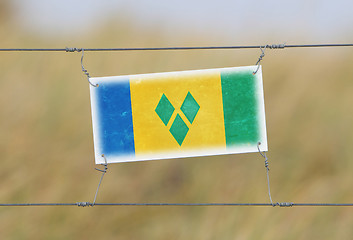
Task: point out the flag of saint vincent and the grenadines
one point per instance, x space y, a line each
178 114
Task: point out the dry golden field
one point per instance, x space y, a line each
46 146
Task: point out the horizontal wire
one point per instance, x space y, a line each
87 204
272 46
184 204
35 204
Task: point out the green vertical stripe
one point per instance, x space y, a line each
239 107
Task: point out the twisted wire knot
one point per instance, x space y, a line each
84 204
85 71
276 46
283 204
273 46
267 164
68 49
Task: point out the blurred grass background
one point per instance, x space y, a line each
46 145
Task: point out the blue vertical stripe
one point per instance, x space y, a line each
115 116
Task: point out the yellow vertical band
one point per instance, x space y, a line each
151 134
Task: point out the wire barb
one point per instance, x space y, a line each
103 172
263 154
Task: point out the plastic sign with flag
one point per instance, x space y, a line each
178 114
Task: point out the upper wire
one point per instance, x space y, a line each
271 46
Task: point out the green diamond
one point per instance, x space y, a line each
164 109
190 107
179 129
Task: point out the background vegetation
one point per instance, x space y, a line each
46 145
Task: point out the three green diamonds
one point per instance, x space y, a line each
179 128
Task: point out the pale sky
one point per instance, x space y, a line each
317 21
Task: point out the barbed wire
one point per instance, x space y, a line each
270 46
